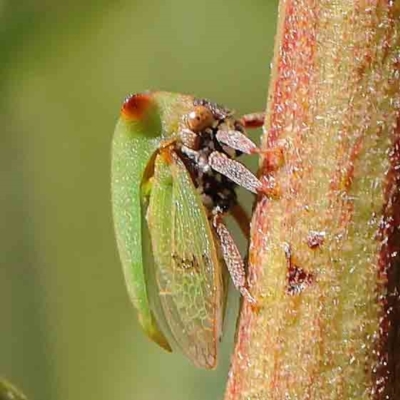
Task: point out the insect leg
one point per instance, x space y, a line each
242 219
238 141
273 157
189 139
254 120
235 171
233 259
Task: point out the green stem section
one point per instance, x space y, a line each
9 391
324 259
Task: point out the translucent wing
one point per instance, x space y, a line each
189 296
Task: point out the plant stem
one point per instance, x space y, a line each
324 258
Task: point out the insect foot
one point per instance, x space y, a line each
269 187
273 159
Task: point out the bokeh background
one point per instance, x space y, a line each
67 329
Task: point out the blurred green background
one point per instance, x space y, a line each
67 329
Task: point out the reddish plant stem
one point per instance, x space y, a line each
324 260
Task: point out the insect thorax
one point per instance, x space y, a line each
217 191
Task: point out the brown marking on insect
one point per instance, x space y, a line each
148 173
136 106
187 263
315 239
297 278
206 260
199 119
167 152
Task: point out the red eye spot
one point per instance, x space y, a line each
136 105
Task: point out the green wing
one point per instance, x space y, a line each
146 119
189 285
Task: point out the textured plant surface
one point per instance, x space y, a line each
324 258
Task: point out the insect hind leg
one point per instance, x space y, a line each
232 257
254 120
242 219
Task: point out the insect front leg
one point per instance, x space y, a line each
237 140
232 257
273 158
235 171
242 176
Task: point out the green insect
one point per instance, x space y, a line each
173 180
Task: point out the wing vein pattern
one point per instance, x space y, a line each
188 271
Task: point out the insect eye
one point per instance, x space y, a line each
199 119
